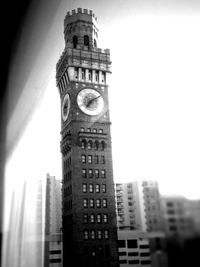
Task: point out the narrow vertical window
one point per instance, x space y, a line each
99 234
103 77
96 173
76 73
103 188
75 41
86 235
85 203
105 203
89 75
96 159
89 159
96 76
85 218
83 158
84 174
89 145
105 218
103 174
83 74
98 218
106 234
83 144
97 188
92 234
90 173
102 160
86 41
84 188
91 203
91 188
98 203
92 220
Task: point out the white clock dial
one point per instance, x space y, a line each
65 107
90 101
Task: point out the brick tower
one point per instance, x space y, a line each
89 217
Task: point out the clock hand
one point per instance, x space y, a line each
92 100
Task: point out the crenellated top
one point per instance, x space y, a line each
80 11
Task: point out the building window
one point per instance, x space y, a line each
89 159
90 173
92 218
92 234
85 203
134 262
102 160
103 174
83 74
103 188
89 130
82 129
91 203
98 203
84 188
103 145
84 173
95 43
96 159
86 40
96 76
96 145
83 158
105 203
96 173
133 254
97 188
98 218
121 243
144 262
83 144
94 130
86 235
132 243
103 75
89 145
75 41
100 130
89 75
85 218
99 234
106 234
105 218
91 188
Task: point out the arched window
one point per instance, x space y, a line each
96 145
86 40
75 41
83 144
89 145
103 145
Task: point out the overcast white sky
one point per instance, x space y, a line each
154 94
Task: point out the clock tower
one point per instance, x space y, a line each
89 216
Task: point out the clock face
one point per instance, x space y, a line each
90 101
65 107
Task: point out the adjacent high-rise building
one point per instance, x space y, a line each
53 223
138 206
89 215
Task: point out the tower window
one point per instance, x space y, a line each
92 218
96 173
91 188
103 174
95 43
86 41
89 145
91 203
103 75
83 74
89 159
105 218
102 160
96 145
76 73
84 188
83 144
98 203
89 75
106 234
96 76
96 159
86 235
97 188
75 41
103 145
103 188
99 234
90 173
85 203
83 158
98 218
85 218
105 203
92 234
84 174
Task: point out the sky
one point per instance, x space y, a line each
154 94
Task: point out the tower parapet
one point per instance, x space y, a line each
80 29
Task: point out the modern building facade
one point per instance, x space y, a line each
53 223
89 215
138 206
